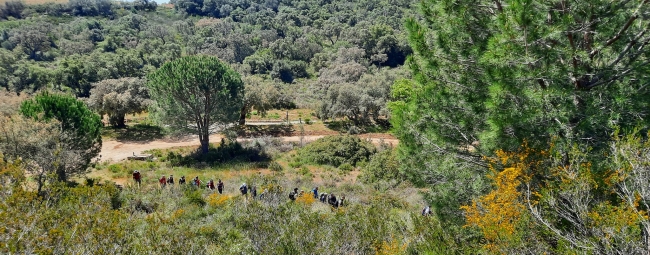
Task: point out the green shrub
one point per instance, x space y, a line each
295 164
195 196
346 167
305 171
337 150
227 152
115 168
274 166
382 166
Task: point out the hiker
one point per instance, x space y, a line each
137 178
243 189
211 185
163 181
341 202
302 193
220 187
332 200
254 192
197 182
426 211
315 191
323 197
181 181
170 180
293 194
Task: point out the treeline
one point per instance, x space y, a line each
304 52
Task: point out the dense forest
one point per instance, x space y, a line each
522 126
311 54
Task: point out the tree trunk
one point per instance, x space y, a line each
117 120
242 115
205 145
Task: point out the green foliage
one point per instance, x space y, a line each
486 89
260 95
118 98
346 167
274 166
80 127
115 168
524 72
337 150
195 197
382 166
91 7
12 8
304 171
226 152
200 90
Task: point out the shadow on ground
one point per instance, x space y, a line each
136 133
346 126
264 130
225 153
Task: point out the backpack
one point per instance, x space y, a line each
243 189
292 195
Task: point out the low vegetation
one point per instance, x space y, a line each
522 125
336 151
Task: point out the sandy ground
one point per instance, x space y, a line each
116 150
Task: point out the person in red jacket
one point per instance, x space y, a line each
137 177
197 182
163 181
211 185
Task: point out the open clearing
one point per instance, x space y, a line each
114 150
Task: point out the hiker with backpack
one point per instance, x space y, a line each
323 197
196 182
315 191
211 185
181 181
426 211
341 201
220 187
170 180
137 177
163 181
244 189
293 194
254 191
332 201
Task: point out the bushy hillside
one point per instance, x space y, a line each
302 53
101 218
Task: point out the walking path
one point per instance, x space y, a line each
119 150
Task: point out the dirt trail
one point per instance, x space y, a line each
120 150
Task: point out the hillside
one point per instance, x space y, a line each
450 127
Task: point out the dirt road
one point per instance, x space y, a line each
120 150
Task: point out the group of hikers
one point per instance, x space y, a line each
164 181
323 197
244 189
330 199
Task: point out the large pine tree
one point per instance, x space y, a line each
495 74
